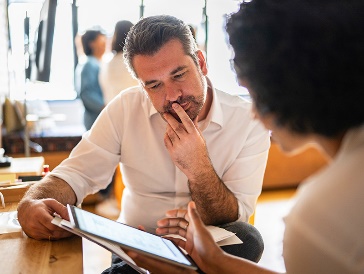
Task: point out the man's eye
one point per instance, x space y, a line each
178 76
154 86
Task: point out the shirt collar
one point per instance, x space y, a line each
215 114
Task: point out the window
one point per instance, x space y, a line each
218 51
23 52
105 14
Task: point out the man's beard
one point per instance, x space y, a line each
194 108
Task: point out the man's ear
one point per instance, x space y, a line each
202 62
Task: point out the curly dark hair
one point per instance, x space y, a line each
150 34
303 61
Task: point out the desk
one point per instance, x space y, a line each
21 254
27 166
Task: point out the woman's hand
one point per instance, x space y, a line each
199 243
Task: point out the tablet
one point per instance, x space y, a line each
128 237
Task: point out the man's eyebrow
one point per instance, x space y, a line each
178 69
146 83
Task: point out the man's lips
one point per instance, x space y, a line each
185 105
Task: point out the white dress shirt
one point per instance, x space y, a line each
130 131
325 229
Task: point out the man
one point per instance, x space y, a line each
178 139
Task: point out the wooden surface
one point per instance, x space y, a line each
52 159
21 254
14 193
25 166
284 170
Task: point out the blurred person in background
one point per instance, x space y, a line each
94 46
114 75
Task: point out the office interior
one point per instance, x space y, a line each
41 113
43 50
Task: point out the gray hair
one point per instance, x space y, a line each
150 34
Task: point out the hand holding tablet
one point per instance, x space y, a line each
89 225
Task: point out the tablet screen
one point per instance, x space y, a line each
128 236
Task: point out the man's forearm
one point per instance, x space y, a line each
52 187
214 201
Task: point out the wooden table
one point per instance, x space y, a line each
21 254
26 166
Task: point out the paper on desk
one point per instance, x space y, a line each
9 222
15 184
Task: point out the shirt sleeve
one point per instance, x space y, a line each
245 176
93 161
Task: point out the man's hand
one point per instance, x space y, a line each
199 245
35 217
186 144
175 223
187 147
36 209
178 222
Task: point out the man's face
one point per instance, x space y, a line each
171 76
98 46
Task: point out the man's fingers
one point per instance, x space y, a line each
57 207
171 230
186 120
174 127
188 125
195 122
50 230
173 134
177 213
173 222
140 227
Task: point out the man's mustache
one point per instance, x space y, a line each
168 107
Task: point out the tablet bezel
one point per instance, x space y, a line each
73 218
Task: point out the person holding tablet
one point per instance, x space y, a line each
302 62
178 139
112 235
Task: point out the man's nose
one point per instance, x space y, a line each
172 93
